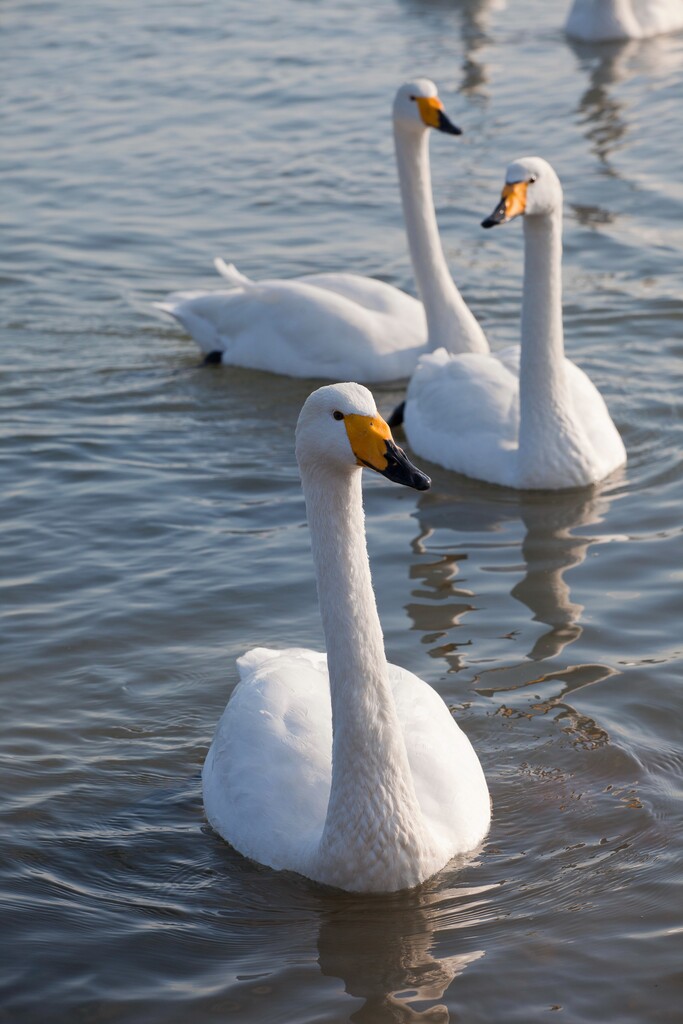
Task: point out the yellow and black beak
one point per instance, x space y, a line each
434 116
372 444
512 204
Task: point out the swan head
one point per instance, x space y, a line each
417 107
531 188
340 430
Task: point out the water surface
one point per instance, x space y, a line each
153 525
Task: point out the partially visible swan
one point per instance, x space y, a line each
342 325
526 417
344 768
599 21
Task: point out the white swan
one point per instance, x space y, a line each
342 325
346 769
599 21
526 417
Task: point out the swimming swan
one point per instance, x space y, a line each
599 21
344 768
525 417
342 325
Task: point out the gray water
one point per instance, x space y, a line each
153 526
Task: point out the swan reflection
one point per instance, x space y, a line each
396 955
550 546
475 18
468 529
384 952
601 111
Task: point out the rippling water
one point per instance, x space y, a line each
153 525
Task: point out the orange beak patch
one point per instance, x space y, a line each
368 436
515 199
430 108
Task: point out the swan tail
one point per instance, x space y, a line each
213 358
397 416
230 272
165 307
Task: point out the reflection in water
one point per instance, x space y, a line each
549 548
398 952
600 112
434 620
584 731
384 954
475 22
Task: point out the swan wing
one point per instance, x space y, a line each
462 412
449 781
608 451
266 778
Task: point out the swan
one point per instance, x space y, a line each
599 21
342 325
343 768
525 417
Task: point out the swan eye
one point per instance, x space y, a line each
338 415
532 179
414 99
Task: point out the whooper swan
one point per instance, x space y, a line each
525 417
342 325
344 768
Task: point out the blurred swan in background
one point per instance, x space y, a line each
343 325
343 768
526 417
598 21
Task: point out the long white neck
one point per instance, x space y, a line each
547 428
450 322
374 830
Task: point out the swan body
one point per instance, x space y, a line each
320 325
342 767
598 21
526 417
340 325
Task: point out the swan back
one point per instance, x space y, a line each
602 20
598 21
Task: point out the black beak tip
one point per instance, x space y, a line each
489 222
401 470
446 125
